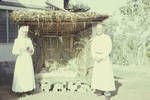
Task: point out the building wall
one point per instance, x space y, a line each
8 29
8 32
5 52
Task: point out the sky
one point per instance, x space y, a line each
101 6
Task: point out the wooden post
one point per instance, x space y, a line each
7 25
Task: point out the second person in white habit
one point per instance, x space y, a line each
102 77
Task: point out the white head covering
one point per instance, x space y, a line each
99 28
22 32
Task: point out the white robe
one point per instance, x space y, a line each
23 79
102 78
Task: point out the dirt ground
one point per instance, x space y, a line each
132 83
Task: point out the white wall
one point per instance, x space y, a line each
5 52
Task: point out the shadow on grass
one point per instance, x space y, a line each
117 85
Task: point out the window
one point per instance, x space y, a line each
8 30
3 31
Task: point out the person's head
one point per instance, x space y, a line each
23 31
99 28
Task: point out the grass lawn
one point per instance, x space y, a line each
133 83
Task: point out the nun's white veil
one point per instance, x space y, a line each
22 31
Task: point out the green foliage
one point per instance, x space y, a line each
130 30
78 7
82 56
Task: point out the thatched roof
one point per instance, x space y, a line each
47 20
55 16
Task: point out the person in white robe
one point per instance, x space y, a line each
23 79
102 77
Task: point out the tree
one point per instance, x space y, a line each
78 7
130 31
